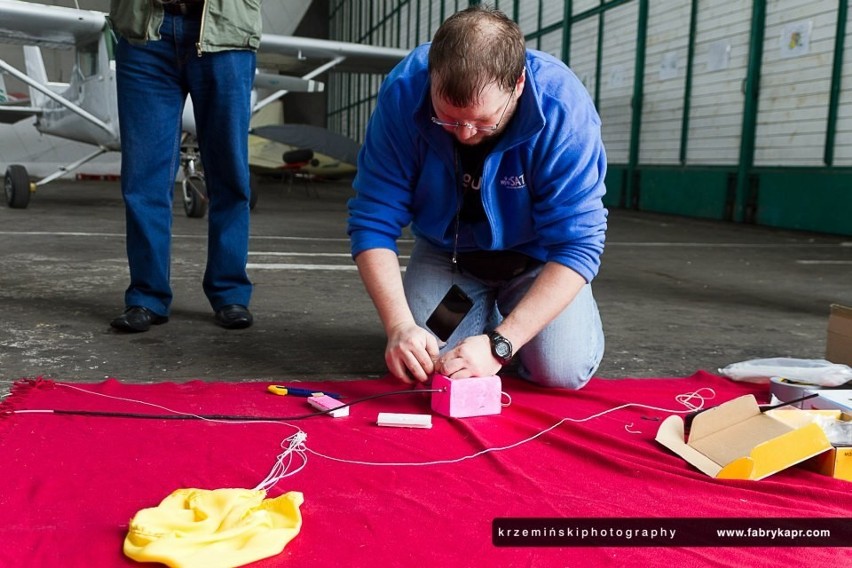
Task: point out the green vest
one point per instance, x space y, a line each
226 24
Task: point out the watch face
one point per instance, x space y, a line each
501 348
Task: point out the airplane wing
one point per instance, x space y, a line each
28 23
300 55
55 26
302 148
287 82
309 137
10 113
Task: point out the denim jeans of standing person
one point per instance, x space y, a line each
564 354
152 82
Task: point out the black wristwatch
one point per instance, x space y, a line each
501 348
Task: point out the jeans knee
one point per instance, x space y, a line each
565 373
572 379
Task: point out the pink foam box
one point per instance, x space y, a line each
328 404
463 398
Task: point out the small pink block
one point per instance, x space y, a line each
325 402
463 398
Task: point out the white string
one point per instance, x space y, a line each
296 443
684 399
295 447
508 397
173 411
629 430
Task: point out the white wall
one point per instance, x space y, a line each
795 83
665 78
843 140
583 52
617 72
719 71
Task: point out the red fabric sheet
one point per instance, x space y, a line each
71 483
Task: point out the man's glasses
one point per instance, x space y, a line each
473 127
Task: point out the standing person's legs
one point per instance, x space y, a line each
150 102
220 85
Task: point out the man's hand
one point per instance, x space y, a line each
411 352
470 358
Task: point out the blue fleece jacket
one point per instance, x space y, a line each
542 184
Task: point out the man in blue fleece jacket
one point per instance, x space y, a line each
492 153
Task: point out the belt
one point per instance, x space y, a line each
184 8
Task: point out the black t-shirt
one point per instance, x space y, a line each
471 160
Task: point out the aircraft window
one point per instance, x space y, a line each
87 59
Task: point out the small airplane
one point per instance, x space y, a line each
85 108
302 149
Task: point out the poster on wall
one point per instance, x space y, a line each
617 77
668 66
718 55
796 39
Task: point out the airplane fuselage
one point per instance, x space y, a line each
92 89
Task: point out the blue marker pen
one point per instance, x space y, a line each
295 391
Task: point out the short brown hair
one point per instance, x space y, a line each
472 49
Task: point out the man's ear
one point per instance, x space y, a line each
519 84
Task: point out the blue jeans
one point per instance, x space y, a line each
564 354
152 83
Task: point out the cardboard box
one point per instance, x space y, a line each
838 347
836 462
735 440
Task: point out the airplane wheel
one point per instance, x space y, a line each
253 189
195 196
17 185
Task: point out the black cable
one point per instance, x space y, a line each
227 417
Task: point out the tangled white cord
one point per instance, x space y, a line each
295 447
686 399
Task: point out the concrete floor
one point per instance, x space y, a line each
676 295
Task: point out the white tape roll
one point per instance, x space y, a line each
786 390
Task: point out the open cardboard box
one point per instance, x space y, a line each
836 462
838 347
735 440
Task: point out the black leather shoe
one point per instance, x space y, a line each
234 316
136 319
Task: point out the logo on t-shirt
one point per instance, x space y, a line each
513 182
469 183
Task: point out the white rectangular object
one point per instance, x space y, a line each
399 420
831 399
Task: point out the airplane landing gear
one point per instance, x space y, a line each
194 190
194 196
17 186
